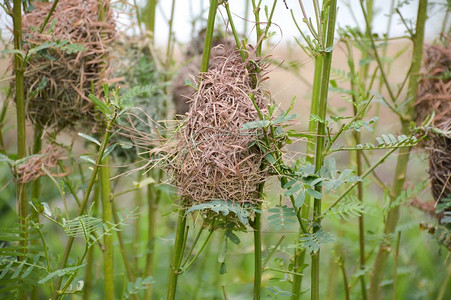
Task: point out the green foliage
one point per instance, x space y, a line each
406 195
281 217
20 276
312 242
346 210
133 288
385 141
224 207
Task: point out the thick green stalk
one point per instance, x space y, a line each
89 276
108 262
403 158
209 35
22 205
331 8
181 222
153 198
299 253
257 257
149 13
177 255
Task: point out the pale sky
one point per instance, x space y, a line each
185 10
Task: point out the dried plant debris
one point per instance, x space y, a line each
181 91
434 97
214 158
67 61
142 92
434 91
439 149
32 167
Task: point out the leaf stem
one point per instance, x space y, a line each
403 158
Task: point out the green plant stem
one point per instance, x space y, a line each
49 15
89 276
153 200
84 202
209 35
36 189
257 256
246 16
395 271
331 8
19 65
345 278
358 161
36 186
258 29
366 173
177 255
137 226
299 253
205 243
403 158
200 275
150 10
235 33
108 261
169 45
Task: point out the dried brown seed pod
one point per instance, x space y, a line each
214 158
73 63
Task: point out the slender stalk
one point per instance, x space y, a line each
84 202
19 65
331 8
49 15
153 198
170 43
403 158
36 188
257 252
256 10
345 278
395 271
137 226
149 22
89 276
246 16
108 262
358 161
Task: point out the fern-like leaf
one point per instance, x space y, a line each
312 242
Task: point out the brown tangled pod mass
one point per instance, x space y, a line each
214 158
73 62
434 96
181 92
33 166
